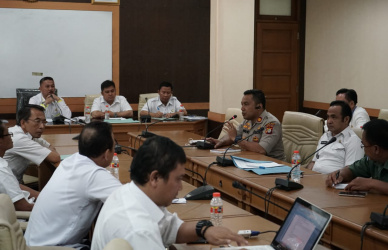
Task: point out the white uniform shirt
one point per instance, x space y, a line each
130 214
155 105
119 104
360 117
53 109
70 201
343 152
9 185
25 150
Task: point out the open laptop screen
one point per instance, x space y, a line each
302 228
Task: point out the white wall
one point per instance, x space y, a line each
231 52
347 46
72 46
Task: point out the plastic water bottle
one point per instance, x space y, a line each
87 114
295 175
106 112
114 166
216 209
181 112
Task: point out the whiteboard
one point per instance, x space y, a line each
72 46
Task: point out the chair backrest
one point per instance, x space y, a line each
11 234
89 100
358 132
383 114
24 95
118 243
236 122
142 101
301 132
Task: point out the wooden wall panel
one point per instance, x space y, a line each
165 41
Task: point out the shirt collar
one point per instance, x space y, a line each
116 100
155 212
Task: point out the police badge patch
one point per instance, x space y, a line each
269 128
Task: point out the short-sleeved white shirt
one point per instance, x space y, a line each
119 104
359 118
155 105
53 109
131 215
70 201
9 185
343 152
25 150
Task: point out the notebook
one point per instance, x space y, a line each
301 230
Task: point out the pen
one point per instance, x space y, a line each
336 176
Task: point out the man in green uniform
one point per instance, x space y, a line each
371 172
262 130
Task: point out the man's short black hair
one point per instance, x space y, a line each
95 139
376 132
258 96
25 113
345 109
106 84
45 79
350 94
166 84
157 153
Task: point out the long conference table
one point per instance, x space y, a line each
234 217
349 213
120 130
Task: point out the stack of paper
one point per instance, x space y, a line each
260 167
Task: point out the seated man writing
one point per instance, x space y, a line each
22 196
53 104
371 172
165 105
269 142
117 105
137 211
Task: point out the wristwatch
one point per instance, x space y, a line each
115 114
200 225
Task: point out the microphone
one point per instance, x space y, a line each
290 185
146 118
118 148
58 119
238 185
221 161
319 111
206 145
147 134
204 192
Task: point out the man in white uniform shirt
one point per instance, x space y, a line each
360 116
71 200
345 150
53 104
165 105
27 145
22 197
118 105
137 211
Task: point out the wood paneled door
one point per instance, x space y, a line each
276 65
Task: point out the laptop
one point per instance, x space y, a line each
301 230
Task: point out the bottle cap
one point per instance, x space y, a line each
115 154
296 151
216 194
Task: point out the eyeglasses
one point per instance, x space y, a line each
9 134
39 121
363 146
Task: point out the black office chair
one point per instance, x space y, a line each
24 95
